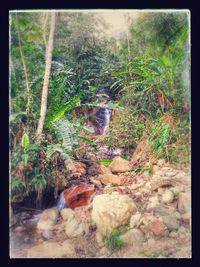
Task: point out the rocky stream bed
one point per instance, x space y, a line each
151 212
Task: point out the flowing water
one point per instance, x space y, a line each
103 120
61 203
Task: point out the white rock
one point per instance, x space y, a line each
135 220
153 202
111 211
167 197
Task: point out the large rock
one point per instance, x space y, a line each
111 211
52 250
110 179
184 202
119 165
48 219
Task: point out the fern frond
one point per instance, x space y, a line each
65 131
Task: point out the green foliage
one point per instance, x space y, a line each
126 129
51 149
65 133
38 181
105 162
113 242
17 184
25 141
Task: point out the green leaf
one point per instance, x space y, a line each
25 141
25 159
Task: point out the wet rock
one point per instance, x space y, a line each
156 227
79 195
133 236
135 220
167 197
52 250
111 211
120 165
48 219
184 202
110 179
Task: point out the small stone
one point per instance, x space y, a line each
135 219
151 242
19 229
110 179
184 203
173 234
186 217
156 227
167 197
171 222
120 165
160 191
74 228
160 162
133 236
153 202
95 181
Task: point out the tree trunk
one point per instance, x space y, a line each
49 50
28 92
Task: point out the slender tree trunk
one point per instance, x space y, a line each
25 71
44 28
49 50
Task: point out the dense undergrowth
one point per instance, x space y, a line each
146 76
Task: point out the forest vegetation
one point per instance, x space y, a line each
63 61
